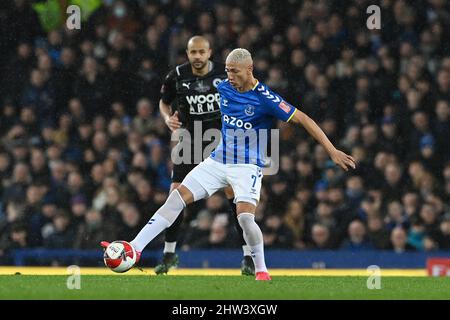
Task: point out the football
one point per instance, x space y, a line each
119 256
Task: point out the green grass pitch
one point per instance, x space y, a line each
221 288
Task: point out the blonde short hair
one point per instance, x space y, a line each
240 55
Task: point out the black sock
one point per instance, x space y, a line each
233 214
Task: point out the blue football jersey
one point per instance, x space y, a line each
247 118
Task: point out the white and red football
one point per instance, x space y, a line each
119 256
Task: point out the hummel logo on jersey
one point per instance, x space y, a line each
259 172
267 94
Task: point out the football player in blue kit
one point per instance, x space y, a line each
248 109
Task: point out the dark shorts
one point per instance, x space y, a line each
180 171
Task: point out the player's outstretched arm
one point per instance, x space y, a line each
340 158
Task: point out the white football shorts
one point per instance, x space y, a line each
209 176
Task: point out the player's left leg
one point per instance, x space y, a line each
246 181
247 265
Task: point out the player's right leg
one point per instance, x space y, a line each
162 219
170 258
247 265
205 179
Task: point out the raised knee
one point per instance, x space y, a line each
185 194
229 193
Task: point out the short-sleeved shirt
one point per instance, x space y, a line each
247 118
195 97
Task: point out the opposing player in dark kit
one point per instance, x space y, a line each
191 89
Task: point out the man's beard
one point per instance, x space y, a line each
199 65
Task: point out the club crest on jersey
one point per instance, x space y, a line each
250 110
202 88
216 82
285 107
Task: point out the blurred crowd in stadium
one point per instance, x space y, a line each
84 155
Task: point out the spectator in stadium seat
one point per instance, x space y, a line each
428 154
396 217
91 88
276 81
130 223
65 75
197 233
399 241
276 234
148 82
321 238
446 187
344 215
117 134
144 122
441 125
16 237
38 166
354 191
443 81
19 150
29 121
19 69
410 201
14 213
377 233
295 219
390 138
92 231
369 139
277 194
61 234
442 237
144 200
393 181
5 168
75 183
305 171
430 219
416 234
119 78
40 94
219 235
16 191
158 166
324 214
421 127
357 239
33 208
